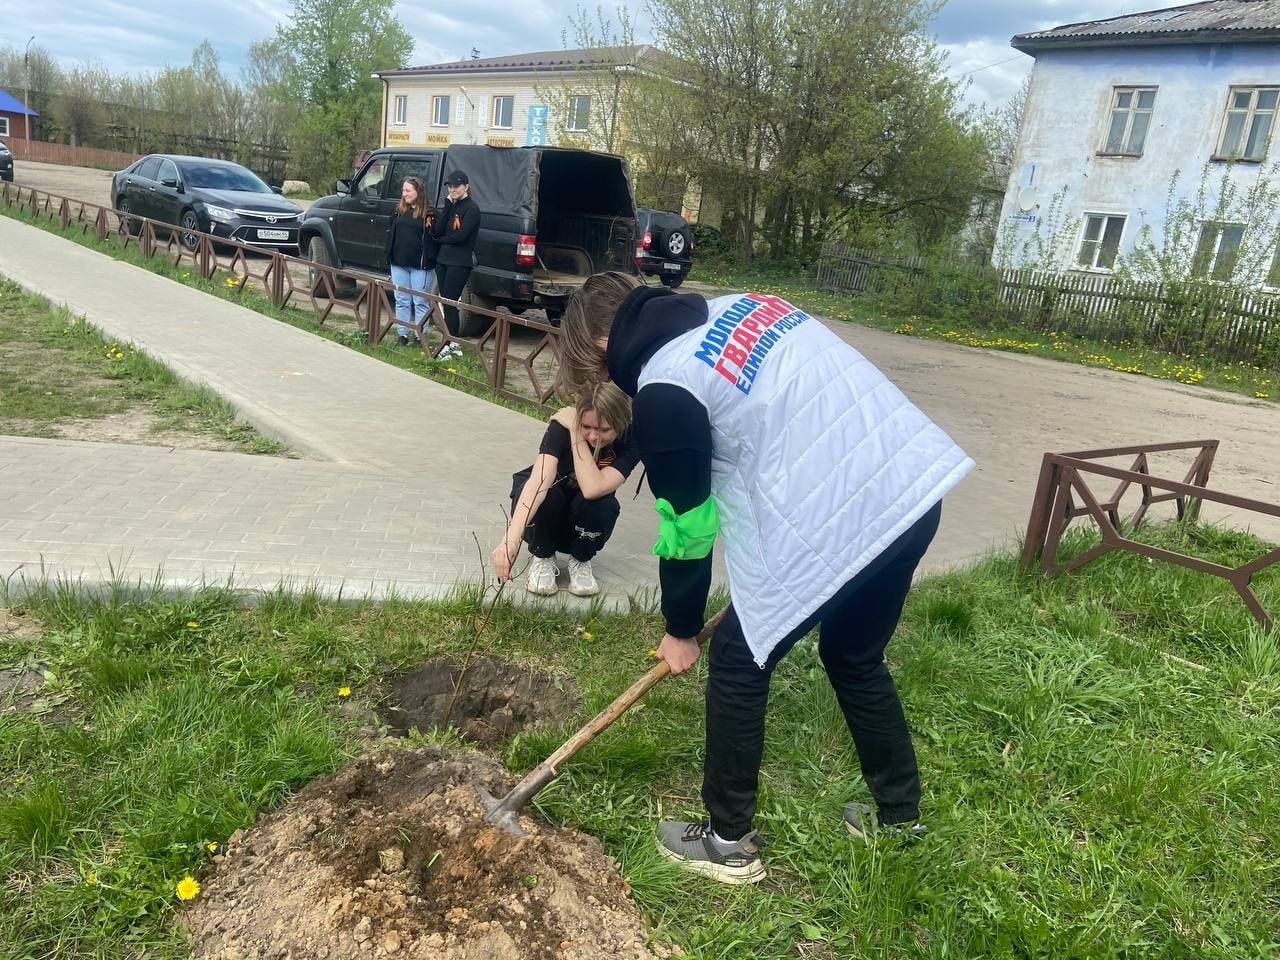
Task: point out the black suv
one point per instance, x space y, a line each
664 245
549 218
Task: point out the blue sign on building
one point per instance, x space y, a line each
536 131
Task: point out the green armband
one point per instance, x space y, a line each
688 535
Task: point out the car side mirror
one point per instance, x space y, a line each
341 186
277 190
169 182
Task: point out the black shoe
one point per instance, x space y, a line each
860 820
403 340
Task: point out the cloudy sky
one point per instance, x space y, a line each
136 36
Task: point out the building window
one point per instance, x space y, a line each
502 112
1273 277
1130 118
579 113
402 108
4 126
1101 241
1251 112
1217 250
439 111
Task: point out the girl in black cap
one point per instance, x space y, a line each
456 228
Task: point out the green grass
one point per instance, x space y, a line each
1088 794
465 373
1243 378
59 368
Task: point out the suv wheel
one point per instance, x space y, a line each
318 253
474 324
671 281
677 243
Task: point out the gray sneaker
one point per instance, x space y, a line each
693 847
860 820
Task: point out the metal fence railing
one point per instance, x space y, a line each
290 281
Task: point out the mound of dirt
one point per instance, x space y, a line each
495 700
390 857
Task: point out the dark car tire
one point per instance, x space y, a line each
670 281
133 226
7 176
318 252
189 222
677 243
474 324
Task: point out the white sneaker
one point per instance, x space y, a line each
582 582
450 350
542 577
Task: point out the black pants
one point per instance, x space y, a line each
567 522
450 282
855 627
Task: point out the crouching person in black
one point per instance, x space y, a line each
565 501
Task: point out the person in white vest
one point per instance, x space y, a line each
824 483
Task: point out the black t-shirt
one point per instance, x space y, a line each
622 454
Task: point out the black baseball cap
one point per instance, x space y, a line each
456 178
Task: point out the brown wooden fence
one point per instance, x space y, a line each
41 152
1231 323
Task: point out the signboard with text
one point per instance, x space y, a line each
536 129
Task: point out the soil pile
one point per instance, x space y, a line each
390 857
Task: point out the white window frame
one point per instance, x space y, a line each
1210 267
1104 223
573 113
494 118
1133 111
401 110
440 99
460 111
1250 114
4 126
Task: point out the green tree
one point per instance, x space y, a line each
334 47
815 116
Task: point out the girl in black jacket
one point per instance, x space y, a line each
411 254
456 229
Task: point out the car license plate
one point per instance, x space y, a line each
273 234
671 266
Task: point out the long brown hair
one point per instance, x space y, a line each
420 209
588 318
609 403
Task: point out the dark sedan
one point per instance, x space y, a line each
6 162
212 196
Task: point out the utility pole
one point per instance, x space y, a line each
26 97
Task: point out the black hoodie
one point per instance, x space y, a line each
672 432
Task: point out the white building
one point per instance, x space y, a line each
557 97
1117 110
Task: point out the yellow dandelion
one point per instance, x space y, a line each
586 634
188 888
211 847
344 691
451 370
191 624
653 653
90 878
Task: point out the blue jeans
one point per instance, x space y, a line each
408 305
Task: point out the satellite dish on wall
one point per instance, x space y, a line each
1027 199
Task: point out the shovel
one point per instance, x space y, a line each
503 812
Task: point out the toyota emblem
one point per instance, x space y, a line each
271 219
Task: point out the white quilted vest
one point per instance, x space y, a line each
818 461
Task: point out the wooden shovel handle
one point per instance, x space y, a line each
624 701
